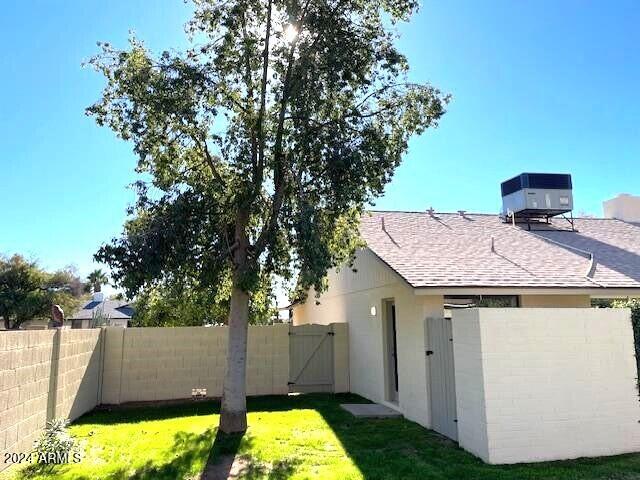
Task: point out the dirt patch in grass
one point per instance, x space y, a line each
229 467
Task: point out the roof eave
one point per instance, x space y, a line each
597 292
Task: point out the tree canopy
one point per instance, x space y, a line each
259 146
27 292
182 304
96 279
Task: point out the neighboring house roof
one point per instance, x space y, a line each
454 250
110 308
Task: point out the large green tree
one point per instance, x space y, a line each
96 279
28 292
262 143
186 303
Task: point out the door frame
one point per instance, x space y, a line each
390 349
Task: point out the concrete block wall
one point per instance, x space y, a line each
267 360
113 348
64 373
44 374
539 384
470 394
147 364
79 372
25 365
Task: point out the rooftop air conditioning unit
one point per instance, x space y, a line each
537 195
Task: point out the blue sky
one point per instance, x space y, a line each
537 86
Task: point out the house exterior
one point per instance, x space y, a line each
116 313
624 206
417 347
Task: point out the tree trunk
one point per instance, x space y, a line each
233 415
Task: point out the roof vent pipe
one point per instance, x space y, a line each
593 263
384 229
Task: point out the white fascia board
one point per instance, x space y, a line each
593 292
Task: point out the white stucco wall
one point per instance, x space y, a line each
349 298
539 384
623 207
555 301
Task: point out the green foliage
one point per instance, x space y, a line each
163 306
634 305
187 304
98 318
27 292
96 279
601 302
497 301
261 150
54 440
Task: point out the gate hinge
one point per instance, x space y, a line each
429 352
331 333
291 383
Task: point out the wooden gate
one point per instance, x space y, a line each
311 358
442 377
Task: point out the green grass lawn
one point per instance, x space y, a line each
305 436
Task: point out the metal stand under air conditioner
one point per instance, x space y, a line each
510 217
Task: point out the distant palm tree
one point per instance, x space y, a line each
97 278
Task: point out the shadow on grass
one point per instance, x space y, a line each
185 451
188 448
225 460
380 448
398 448
112 415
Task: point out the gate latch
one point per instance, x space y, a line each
429 352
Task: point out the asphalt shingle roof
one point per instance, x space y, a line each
453 250
110 309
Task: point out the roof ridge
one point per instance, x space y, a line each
461 254
484 214
435 213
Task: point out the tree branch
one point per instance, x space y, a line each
381 90
208 158
263 103
279 175
248 80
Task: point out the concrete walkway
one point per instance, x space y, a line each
370 410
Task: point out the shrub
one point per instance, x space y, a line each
634 305
55 444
